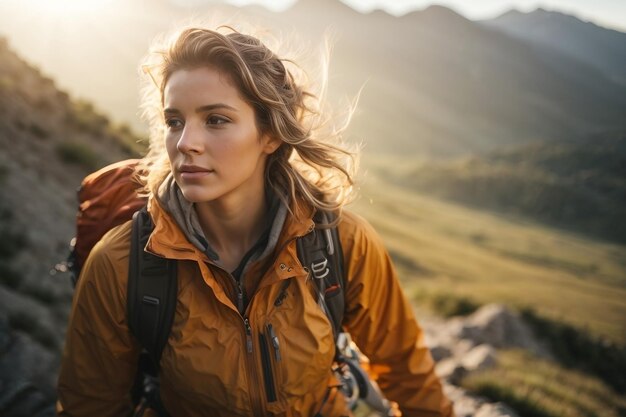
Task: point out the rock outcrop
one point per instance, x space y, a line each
462 345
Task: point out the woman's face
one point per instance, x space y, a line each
212 140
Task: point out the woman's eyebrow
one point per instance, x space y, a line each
210 107
202 109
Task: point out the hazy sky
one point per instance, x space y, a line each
608 13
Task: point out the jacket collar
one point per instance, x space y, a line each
169 241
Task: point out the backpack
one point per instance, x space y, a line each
109 197
106 198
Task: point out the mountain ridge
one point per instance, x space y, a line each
586 41
436 83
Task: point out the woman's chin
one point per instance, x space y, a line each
197 196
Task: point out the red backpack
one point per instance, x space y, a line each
106 198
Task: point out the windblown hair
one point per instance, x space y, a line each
311 164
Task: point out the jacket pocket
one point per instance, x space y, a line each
270 356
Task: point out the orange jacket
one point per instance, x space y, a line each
208 367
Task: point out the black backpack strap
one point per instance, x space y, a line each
321 253
152 290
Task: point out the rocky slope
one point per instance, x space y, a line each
48 143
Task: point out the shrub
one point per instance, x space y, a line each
577 349
129 142
446 304
537 387
520 402
38 131
79 154
85 118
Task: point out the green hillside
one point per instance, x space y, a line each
443 248
577 186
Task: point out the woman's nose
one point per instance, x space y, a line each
190 140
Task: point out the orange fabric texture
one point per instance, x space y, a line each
207 368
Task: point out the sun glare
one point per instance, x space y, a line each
67 8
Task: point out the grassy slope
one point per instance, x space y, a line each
545 389
443 247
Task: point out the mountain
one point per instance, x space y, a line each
434 83
579 187
594 45
439 84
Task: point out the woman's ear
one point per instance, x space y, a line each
270 143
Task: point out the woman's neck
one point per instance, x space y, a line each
233 224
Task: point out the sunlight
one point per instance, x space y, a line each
67 9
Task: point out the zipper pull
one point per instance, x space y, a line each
275 341
246 323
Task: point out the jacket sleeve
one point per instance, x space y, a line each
99 360
381 322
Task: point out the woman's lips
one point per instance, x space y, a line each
190 172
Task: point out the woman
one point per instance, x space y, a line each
238 166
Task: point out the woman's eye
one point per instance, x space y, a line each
173 123
216 120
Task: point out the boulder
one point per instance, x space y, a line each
440 352
451 370
479 358
462 347
499 327
495 410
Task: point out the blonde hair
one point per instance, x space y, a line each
311 164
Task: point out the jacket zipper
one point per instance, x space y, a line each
253 380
